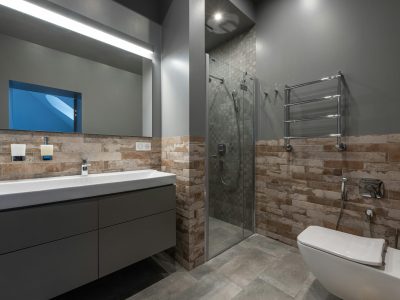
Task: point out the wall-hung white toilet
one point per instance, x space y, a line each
349 266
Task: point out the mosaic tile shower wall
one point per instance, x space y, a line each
231 117
239 52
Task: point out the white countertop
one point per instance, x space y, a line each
28 192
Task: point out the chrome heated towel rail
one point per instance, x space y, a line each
338 115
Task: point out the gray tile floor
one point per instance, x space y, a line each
256 268
223 235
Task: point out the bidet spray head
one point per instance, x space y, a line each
370 214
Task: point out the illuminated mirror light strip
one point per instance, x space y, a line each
75 26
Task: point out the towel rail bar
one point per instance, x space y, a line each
338 115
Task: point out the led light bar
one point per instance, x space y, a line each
52 17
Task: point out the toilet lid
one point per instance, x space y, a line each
362 250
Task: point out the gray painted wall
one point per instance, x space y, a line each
183 70
247 7
175 70
198 96
133 24
303 40
111 98
155 10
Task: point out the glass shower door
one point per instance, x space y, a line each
230 156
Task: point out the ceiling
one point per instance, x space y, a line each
154 10
233 22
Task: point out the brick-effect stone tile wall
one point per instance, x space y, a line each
185 157
105 154
301 188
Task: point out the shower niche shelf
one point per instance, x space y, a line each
337 115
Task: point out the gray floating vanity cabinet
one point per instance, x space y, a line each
50 249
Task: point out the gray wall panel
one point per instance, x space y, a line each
303 40
183 69
197 68
175 70
247 7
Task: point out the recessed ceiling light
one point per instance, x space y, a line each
52 17
310 4
218 16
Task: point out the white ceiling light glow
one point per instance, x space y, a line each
218 16
52 17
310 5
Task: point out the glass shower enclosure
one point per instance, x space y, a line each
230 146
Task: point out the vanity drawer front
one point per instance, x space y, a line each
27 227
118 208
124 244
48 270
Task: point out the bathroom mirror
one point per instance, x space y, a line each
53 79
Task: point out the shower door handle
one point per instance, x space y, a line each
214 156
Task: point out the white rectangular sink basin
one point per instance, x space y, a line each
28 192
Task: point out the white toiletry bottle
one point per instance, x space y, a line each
85 168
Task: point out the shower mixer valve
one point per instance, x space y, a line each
221 149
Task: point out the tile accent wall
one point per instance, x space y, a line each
240 52
104 153
185 157
231 185
302 188
231 176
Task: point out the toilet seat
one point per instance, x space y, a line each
367 251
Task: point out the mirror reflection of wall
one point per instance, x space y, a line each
55 80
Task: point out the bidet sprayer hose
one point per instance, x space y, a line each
343 199
343 189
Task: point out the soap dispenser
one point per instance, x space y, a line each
46 150
18 152
85 168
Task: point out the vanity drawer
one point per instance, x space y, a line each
27 227
48 270
118 208
124 244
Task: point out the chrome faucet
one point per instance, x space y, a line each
85 168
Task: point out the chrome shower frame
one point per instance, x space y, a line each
255 134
